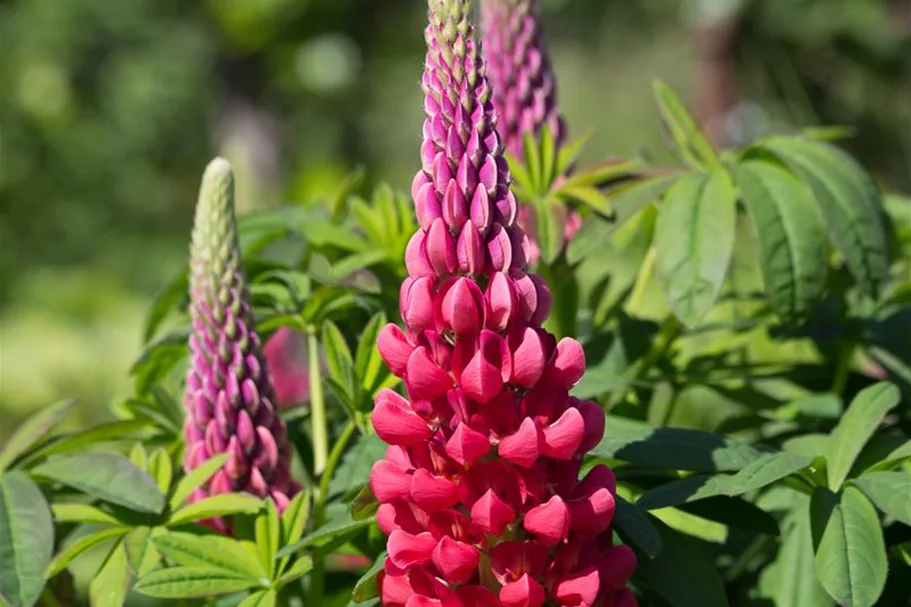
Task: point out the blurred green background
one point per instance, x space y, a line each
111 108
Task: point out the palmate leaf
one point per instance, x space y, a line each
694 241
848 542
857 425
791 236
26 539
106 476
848 201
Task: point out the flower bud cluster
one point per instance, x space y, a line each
479 491
229 399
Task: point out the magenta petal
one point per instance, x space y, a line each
528 360
406 550
457 562
395 421
467 446
432 493
394 348
563 437
579 588
524 592
492 514
550 522
424 379
523 447
389 481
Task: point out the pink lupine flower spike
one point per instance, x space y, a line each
479 489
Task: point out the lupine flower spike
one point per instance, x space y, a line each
523 89
479 491
229 398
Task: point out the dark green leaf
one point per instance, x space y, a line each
364 504
694 241
106 476
157 359
792 238
635 527
857 425
890 491
354 469
733 512
366 587
672 448
127 429
368 364
32 430
683 574
756 474
191 582
169 298
848 201
337 354
26 538
848 542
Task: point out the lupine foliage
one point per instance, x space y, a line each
722 418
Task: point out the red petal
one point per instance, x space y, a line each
457 562
594 418
550 521
581 587
389 481
616 567
491 513
528 359
563 437
395 421
524 592
594 513
406 550
466 445
424 379
394 348
569 362
523 447
431 492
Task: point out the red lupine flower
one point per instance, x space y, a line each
479 490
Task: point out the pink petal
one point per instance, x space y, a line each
502 302
396 422
569 362
523 447
524 592
431 492
466 445
491 513
549 522
424 379
457 562
461 306
389 481
593 513
581 587
394 348
616 567
594 418
406 550
563 437
528 359
441 248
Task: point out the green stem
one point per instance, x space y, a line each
843 368
337 451
670 330
561 279
317 407
645 273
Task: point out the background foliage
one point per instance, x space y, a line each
761 462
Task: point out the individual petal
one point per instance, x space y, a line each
569 362
389 481
593 416
499 249
579 588
511 560
600 476
395 590
524 446
502 302
593 513
461 306
466 445
475 596
528 359
397 515
549 522
616 566
395 421
491 513
423 378
455 207
432 492
407 550
441 248
563 437
426 203
416 305
395 349
524 592
479 210
456 561
470 250
416 261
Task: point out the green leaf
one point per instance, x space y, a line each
601 174
791 579
195 479
26 539
299 569
550 224
569 152
755 475
359 261
211 551
368 362
110 585
223 504
694 147
106 476
79 547
590 196
627 201
890 491
157 359
533 162
263 598
636 528
354 469
792 238
694 241
857 425
268 535
366 587
672 448
168 298
364 504
325 534
733 512
548 149
82 513
683 574
160 469
141 555
32 430
848 201
191 582
337 355
294 518
139 457
127 429
848 542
